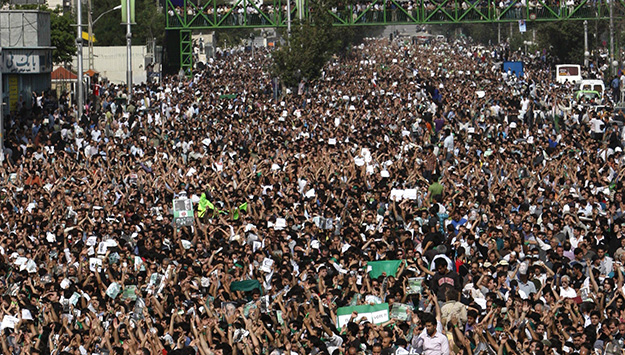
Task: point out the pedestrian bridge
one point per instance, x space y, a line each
188 15
214 14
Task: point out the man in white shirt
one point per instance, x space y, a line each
448 144
607 263
596 128
566 291
434 342
431 341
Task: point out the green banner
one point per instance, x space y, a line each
376 268
125 8
376 314
245 285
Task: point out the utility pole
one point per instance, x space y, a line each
128 50
300 10
586 52
288 18
1 114
612 37
79 91
90 30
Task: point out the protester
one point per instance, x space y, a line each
415 198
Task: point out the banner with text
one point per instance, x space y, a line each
376 314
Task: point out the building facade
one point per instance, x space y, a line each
25 57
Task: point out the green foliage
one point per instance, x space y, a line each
310 46
564 40
62 36
484 33
150 22
108 30
233 36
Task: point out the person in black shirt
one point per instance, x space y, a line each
444 279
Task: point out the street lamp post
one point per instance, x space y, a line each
586 53
79 91
128 50
91 24
288 19
612 36
1 114
90 33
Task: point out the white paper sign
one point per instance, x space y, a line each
410 194
26 315
280 223
396 195
266 265
138 263
9 322
95 264
102 248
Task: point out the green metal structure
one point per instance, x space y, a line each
186 50
189 15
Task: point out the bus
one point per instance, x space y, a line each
568 72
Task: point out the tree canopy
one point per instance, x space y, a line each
62 36
108 30
310 46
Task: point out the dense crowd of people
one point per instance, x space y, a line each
414 199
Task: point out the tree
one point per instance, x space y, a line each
62 36
310 46
483 33
233 36
150 22
563 39
108 31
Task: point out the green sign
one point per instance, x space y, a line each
376 314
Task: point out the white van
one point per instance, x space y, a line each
592 85
568 72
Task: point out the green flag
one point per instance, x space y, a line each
376 268
235 213
245 285
203 205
